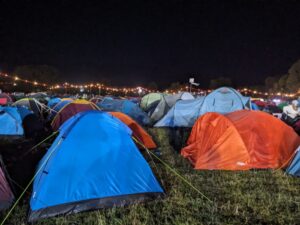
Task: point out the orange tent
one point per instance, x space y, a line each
137 131
240 141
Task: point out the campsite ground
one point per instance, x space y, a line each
249 197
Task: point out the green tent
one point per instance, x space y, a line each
150 99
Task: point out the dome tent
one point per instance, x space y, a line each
58 106
11 122
92 172
224 100
70 109
166 103
137 131
183 114
149 100
5 99
52 102
31 104
127 107
294 167
240 140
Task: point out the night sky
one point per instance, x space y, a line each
133 43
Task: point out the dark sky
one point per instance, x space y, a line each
131 43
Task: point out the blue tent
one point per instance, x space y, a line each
254 106
127 107
11 120
56 108
294 167
224 100
53 101
92 164
183 114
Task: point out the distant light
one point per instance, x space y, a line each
276 100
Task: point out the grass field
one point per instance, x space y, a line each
250 197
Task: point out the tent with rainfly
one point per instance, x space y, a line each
240 140
125 106
6 194
166 103
103 168
70 109
294 167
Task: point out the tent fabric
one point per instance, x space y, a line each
6 195
31 104
137 131
148 100
10 122
254 106
224 100
57 107
127 107
240 140
96 164
166 103
294 167
5 99
183 114
53 101
70 109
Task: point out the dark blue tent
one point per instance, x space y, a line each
92 164
127 107
294 167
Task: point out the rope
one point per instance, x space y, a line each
173 170
47 138
28 185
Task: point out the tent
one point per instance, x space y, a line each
149 100
101 169
6 195
31 104
19 121
125 106
240 140
5 99
52 102
166 103
183 114
224 100
254 106
58 106
70 109
294 167
137 131
10 122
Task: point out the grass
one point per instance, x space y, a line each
248 197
